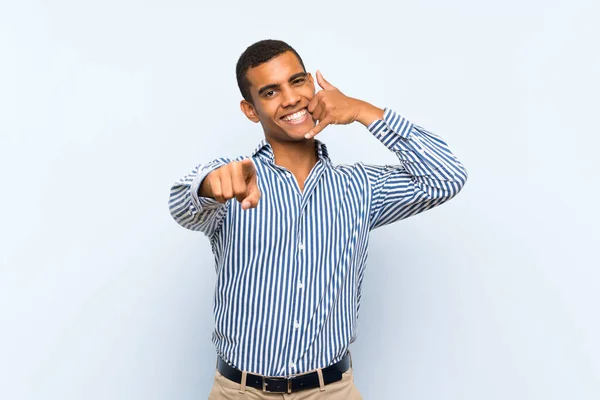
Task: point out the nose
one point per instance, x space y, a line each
290 97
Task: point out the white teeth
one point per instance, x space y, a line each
295 116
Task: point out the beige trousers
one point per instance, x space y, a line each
224 389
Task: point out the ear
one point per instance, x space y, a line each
249 110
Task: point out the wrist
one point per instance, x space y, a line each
368 113
205 188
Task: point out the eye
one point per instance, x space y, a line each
270 93
299 81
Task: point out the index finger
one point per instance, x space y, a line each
318 128
312 104
247 167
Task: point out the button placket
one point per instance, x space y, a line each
301 257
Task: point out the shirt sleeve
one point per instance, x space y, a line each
428 175
192 211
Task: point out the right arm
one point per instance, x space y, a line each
199 200
192 211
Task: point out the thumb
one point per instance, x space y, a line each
322 82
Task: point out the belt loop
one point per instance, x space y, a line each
321 381
350 354
243 383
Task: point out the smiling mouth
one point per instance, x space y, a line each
297 117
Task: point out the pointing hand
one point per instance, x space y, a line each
237 179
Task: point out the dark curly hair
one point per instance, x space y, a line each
257 54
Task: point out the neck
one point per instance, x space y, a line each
298 157
295 156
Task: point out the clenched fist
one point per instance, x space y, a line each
236 179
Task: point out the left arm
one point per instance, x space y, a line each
428 175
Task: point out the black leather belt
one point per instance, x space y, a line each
310 380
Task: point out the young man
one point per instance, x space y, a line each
290 230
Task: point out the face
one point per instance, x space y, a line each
281 91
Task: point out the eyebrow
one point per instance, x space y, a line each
276 85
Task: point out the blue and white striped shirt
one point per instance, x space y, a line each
289 271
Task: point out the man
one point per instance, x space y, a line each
290 230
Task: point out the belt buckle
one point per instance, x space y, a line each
265 389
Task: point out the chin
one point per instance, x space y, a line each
298 131
283 136
298 135
295 137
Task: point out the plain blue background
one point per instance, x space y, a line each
103 105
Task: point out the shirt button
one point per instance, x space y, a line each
296 325
293 365
301 246
300 285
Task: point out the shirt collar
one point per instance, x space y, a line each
265 151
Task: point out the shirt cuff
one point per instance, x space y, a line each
391 129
